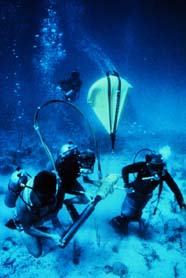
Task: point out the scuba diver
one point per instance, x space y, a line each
149 174
71 87
70 165
36 201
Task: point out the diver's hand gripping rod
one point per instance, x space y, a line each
76 225
106 187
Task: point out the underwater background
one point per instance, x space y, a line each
42 42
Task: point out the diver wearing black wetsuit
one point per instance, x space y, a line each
149 175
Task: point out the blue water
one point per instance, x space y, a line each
43 41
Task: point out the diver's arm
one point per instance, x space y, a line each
26 220
174 188
129 169
33 231
30 229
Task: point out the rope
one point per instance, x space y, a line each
117 102
109 100
118 97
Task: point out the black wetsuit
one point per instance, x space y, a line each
68 169
72 84
146 186
147 178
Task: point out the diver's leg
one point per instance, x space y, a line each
78 199
120 224
128 211
33 244
71 209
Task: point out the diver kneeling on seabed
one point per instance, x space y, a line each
39 200
149 174
36 201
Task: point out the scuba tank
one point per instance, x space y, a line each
16 184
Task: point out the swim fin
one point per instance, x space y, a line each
119 224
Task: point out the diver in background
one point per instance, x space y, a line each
149 174
70 165
71 87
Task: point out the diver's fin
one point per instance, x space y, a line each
119 224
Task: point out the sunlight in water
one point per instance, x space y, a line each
96 54
85 42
